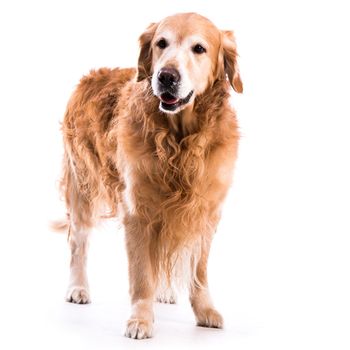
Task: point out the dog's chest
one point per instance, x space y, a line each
168 175
198 170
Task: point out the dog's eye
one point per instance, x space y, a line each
162 44
199 49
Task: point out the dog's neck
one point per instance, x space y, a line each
199 114
183 123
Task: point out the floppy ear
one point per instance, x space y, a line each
145 57
230 60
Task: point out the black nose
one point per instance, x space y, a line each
169 77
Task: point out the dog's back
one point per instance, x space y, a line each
90 176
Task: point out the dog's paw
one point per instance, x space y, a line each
138 328
78 295
167 296
210 318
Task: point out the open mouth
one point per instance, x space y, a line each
170 102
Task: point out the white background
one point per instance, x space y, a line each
279 268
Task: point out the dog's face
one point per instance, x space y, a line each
183 55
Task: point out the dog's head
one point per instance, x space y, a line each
183 55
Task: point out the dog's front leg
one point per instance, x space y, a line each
142 284
202 305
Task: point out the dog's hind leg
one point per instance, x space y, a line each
78 288
80 217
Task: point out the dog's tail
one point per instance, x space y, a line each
60 225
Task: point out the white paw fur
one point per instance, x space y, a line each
210 318
166 296
78 295
138 329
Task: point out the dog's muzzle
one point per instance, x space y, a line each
169 80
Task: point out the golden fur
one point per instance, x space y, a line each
165 175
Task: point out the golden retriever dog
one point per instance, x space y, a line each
156 147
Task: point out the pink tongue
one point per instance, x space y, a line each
168 99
